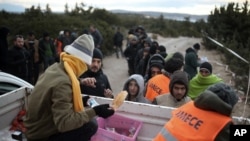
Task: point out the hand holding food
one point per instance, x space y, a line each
119 99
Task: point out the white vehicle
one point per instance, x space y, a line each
10 82
153 117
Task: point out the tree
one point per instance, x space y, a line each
230 25
48 10
66 10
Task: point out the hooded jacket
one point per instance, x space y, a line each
191 63
216 102
168 99
140 82
155 60
211 101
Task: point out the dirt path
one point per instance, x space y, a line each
117 69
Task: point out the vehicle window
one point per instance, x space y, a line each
7 87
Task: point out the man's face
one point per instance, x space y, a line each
91 29
67 33
155 71
204 72
19 42
179 91
96 65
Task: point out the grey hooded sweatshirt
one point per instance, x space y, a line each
140 82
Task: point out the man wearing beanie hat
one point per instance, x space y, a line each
207 67
155 65
178 87
211 112
158 84
94 81
55 107
202 80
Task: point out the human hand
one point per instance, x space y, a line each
85 100
90 81
108 93
104 110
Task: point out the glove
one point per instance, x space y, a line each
103 110
85 100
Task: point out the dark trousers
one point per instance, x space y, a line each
83 133
117 50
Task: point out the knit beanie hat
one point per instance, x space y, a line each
178 77
206 66
156 60
224 92
97 54
82 48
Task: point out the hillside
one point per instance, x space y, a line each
172 16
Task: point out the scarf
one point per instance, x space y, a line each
74 67
200 83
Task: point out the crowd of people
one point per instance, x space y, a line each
73 66
31 55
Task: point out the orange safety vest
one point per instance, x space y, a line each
157 85
189 123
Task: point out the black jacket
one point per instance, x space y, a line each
18 61
97 37
118 38
102 83
3 48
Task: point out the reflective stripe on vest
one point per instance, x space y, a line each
165 135
168 136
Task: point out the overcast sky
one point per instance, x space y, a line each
197 7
